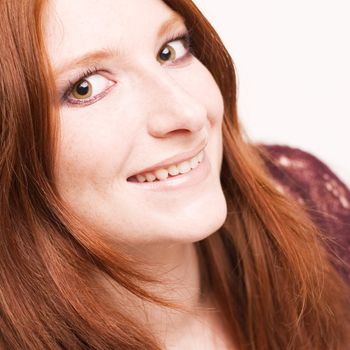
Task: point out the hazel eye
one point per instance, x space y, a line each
90 87
82 90
173 51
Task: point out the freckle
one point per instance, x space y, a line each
344 202
284 161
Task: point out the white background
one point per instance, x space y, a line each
293 64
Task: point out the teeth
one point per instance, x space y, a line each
161 174
172 170
150 177
140 178
194 162
184 167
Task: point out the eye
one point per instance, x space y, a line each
89 89
174 50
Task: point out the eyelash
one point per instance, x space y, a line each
95 69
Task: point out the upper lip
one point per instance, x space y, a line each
174 159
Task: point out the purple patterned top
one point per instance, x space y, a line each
314 185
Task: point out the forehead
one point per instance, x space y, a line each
81 26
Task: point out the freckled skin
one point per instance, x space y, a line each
153 112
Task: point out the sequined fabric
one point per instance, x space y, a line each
325 196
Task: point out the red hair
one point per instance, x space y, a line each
267 267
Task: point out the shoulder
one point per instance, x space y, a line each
314 185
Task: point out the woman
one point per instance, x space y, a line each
134 215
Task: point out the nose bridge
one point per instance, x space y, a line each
169 106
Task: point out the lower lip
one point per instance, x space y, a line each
178 182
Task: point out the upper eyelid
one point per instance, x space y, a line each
170 35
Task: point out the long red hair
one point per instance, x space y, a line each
267 267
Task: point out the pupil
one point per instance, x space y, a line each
83 88
165 54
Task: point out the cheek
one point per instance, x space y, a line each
90 151
213 100
215 104
202 86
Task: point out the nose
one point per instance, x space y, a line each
171 106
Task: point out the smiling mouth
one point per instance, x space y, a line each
172 170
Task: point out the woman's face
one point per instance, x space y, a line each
147 109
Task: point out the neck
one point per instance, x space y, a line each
176 267
197 323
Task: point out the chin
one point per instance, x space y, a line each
194 226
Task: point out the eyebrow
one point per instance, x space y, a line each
105 53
